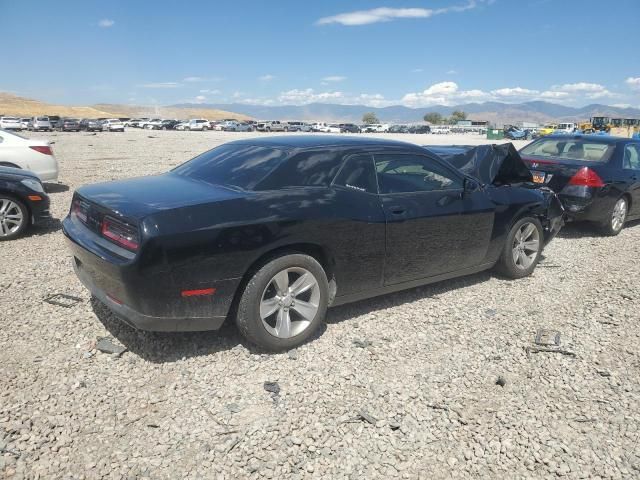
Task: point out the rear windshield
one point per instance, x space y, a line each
571 149
241 166
10 119
43 119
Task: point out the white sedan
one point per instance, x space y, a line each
10 123
112 125
28 154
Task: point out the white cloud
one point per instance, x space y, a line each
266 78
417 70
200 98
193 79
308 95
443 93
334 78
106 23
551 94
590 90
386 14
515 92
633 82
160 85
452 72
210 92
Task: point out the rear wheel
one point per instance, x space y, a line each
14 217
618 215
284 302
522 250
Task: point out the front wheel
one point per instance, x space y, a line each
522 249
283 303
14 218
615 221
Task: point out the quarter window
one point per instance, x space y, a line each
359 174
631 157
413 173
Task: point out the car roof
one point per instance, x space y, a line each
608 139
314 141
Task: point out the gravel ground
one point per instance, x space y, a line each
432 383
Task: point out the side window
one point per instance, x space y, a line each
401 173
631 158
358 173
306 169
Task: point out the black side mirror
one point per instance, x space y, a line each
470 185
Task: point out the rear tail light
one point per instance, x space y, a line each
42 149
585 177
120 232
79 210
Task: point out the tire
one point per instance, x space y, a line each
268 328
521 255
12 210
164 128
204 129
616 218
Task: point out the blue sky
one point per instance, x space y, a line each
411 52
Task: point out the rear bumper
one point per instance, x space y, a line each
141 321
588 204
149 297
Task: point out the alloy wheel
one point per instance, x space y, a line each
619 214
526 244
290 302
11 217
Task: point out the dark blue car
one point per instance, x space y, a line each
597 177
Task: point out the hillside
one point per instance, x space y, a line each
14 105
495 112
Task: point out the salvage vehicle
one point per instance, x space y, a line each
198 124
69 125
271 231
597 178
28 154
271 126
297 127
38 124
349 128
10 123
419 129
514 133
112 125
90 125
547 129
23 202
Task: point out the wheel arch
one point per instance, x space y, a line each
321 254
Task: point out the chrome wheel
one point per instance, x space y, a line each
526 245
290 302
619 214
11 217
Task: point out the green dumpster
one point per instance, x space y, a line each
495 134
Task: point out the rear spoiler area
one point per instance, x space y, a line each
489 164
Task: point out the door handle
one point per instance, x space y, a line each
397 210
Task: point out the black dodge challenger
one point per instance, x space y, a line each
272 231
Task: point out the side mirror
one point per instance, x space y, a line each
470 185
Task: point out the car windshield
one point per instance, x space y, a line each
43 119
237 165
573 149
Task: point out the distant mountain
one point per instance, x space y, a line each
495 112
14 105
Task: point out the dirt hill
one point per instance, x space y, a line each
14 105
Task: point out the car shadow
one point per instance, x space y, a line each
587 230
50 226
168 347
56 187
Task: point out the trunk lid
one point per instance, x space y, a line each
555 173
136 198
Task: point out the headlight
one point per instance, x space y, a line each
34 185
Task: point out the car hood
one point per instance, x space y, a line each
139 197
490 164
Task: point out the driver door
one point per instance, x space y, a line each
432 227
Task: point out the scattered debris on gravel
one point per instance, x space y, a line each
422 399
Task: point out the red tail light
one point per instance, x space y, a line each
120 233
42 149
585 177
79 211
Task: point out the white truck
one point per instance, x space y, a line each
270 126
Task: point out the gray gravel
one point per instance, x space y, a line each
433 382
